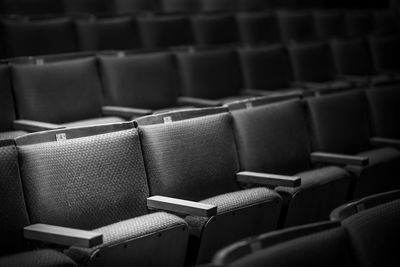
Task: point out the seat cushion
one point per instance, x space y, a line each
39 258
11 134
103 120
127 230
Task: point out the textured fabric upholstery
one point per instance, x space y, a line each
385 111
327 248
340 122
127 230
13 215
47 36
58 92
374 234
39 258
385 52
269 61
192 159
107 33
10 134
164 31
210 74
273 138
359 22
97 121
330 23
89 182
7 111
214 30
297 26
261 27
140 81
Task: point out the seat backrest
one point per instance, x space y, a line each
13 214
107 34
322 244
87 6
58 92
215 5
312 62
385 111
385 52
193 157
30 7
386 22
339 122
140 81
359 22
267 67
214 29
165 31
92 177
253 5
132 6
297 26
209 74
7 109
352 57
330 23
38 37
258 27
176 6
273 138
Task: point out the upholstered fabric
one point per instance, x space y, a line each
385 52
273 138
269 61
13 215
107 33
210 74
38 258
7 111
87 6
297 26
326 248
58 92
132 6
340 122
260 27
191 159
330 23
163 32
385 111
374 235
140 81
214 29
127 230
358 22
176 6
46 36
88 182
11 134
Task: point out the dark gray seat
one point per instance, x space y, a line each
330 23
297 26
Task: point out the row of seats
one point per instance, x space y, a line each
362 233
130 85
27 37
164 6
245 169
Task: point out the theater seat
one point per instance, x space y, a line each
330 24
385 53
340 124
193 156
274 138
359 22
39 258
297 26
95 180
386 22
87 6
176 6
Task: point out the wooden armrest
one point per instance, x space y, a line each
35 126
339 159
181 206
62 235
268 179
198 102
382 141
125 112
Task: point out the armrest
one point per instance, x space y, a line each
289 93
268 179
309 85
198 102
381 141
339 159
62 235
357 80
125 112
181 206
35 126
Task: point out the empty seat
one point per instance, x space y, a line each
164 31
95 181
297 26
330 23
216 29
30 7
107 33
359 22
274 138
257 28
147 81
385 53
38 37
66 92
314 67
88 6
386 22
193 156
340 124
